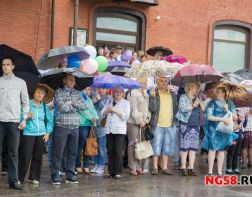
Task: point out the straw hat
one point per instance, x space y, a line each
49 92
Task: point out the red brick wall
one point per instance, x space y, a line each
21 28
185 26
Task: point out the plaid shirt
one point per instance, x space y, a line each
68 116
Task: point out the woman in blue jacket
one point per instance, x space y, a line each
39 126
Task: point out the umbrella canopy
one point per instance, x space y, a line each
119 70
52 58
54 78
31 80
236 93
22 61
175 58
153 50
232 77
153 68
111 81
118 67
118 64
201 73
245 73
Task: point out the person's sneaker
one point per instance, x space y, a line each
236 171
56 182
229 171
118 177
34 182
4 173
61 173
71 180
94 169
99 171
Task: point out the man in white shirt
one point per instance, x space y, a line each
14 95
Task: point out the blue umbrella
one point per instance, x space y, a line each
111 81
118 65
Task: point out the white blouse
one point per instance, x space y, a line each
114 123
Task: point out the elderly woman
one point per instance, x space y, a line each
139 117
117 113
39 126
215 140
189 124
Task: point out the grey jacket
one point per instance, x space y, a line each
13 97
154 107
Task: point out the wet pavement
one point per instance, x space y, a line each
141 186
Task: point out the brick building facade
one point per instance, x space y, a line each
185 26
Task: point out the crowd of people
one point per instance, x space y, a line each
175 120
115 54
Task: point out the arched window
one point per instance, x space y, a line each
119 27
231 47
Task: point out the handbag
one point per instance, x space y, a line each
91 148
148 135
223 128
143 149
104 120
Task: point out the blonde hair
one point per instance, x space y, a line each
190 86
118 88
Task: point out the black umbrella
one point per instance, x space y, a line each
24 67
54 78
31 80
22 61
153 50
245 73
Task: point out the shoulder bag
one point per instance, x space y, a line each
143 149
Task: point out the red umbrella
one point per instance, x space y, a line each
201 73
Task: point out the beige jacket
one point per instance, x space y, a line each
139 104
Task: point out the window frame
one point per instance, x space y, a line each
123 13
236 26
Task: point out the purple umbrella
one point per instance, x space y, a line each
111 81
118 64
175 58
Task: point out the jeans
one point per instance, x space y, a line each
12 134
115 144
233 154
100 159
64 159
164 141
83 134
64 138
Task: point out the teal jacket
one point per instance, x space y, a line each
87 115
36 126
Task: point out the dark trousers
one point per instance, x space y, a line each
30 154
12 134
64 138
115 144
233 154
5 155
